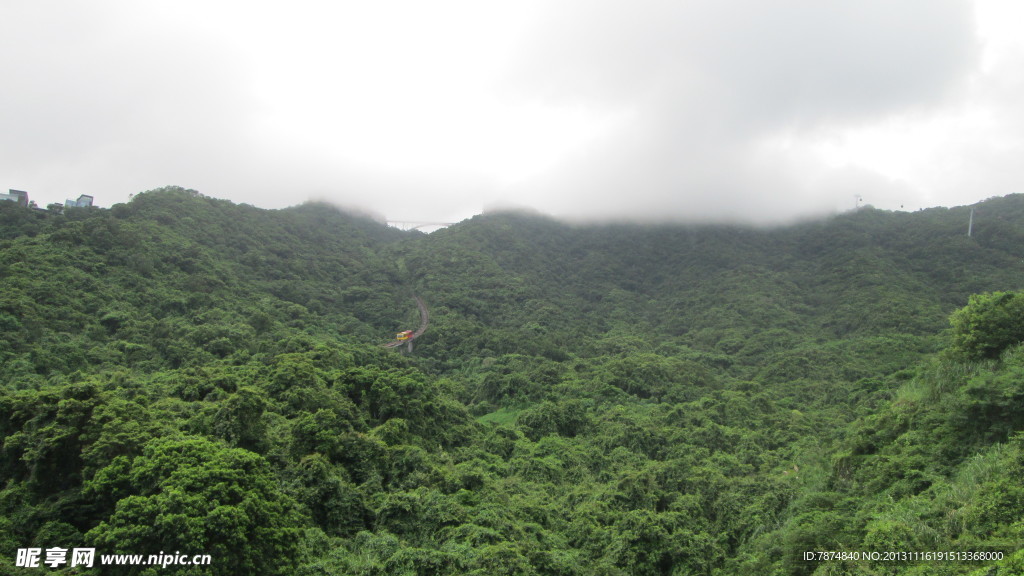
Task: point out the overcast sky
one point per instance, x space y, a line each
712 110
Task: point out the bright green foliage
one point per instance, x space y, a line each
193 495
988 325
183 373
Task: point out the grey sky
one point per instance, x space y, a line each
739 110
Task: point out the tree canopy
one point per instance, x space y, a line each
180 373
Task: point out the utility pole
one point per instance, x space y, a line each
970 223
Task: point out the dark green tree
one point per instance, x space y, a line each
196 496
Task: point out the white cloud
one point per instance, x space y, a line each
731 110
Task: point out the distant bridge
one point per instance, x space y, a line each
416 224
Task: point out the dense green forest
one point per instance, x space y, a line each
185 374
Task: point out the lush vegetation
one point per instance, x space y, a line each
181 373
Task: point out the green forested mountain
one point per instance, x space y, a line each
181 373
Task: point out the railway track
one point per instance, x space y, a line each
424 323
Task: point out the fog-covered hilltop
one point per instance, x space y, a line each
184 373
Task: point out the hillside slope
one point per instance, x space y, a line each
184 373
